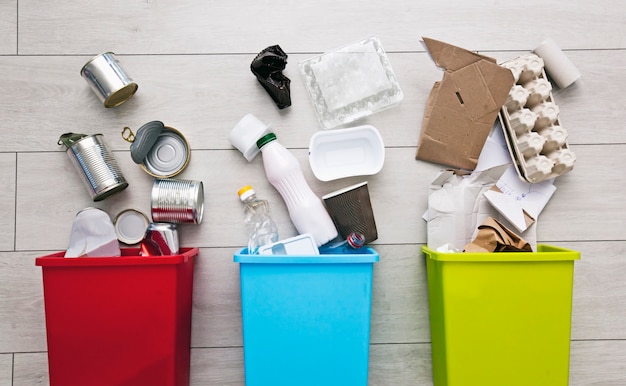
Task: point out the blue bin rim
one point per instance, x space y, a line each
369 256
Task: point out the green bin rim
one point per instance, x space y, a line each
544 253
369 256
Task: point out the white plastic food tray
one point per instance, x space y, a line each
340 153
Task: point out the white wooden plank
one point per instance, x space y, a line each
398 193
589 198
400 364
8 27
598 363
31 369
7 197
599 308
400 296
216 300
6 369
592 363
22 318
222 173
220 366
208 97
198 27
191 61
204 101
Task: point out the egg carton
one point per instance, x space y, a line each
532 127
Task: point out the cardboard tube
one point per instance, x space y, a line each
558 66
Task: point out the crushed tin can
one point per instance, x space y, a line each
95 163
108 80
177 201
160 239
160 150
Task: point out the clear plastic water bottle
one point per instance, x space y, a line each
261 228
306 209
351 244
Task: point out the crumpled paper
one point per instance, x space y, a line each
456 207
492 236
267 66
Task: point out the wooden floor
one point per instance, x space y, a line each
191 60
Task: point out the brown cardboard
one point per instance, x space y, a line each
462 107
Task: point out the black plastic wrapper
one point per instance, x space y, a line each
267 67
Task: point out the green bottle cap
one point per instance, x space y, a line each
264 140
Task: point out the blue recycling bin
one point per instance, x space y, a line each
306 319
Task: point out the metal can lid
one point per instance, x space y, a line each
147 135
131 226
168 156
121 95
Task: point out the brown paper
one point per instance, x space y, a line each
494 237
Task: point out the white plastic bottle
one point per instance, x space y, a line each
306 210
261 228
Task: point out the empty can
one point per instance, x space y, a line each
95 163
161 239
108 80
162 151
177 201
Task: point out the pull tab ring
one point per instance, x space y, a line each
69 139
128 134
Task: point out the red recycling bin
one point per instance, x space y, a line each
118 321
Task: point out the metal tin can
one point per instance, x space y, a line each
108 80
130 226
160 150
177 201
161 239
95 163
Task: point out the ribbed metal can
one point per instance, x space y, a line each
93 160
177 201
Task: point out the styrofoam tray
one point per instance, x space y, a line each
340 153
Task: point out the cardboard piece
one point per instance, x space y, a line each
510 208
462 107
492 236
